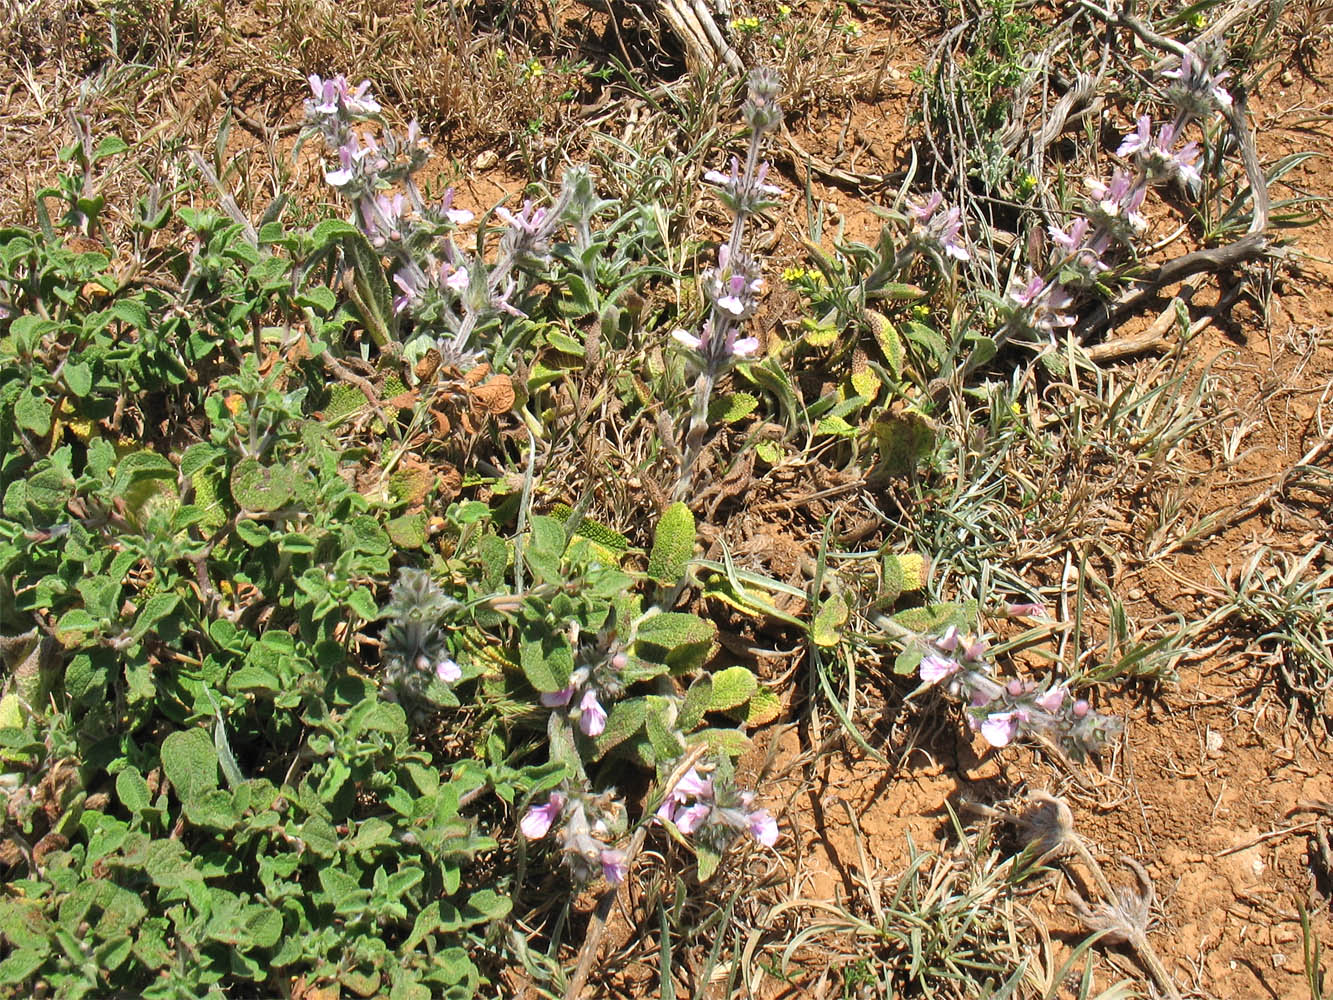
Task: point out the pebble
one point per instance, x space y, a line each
1135 594
486 159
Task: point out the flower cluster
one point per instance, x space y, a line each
732 288
447 295
584 826
596 682
415 646
1197 89
1158 159
935 231
1037 305
713 811
1004 712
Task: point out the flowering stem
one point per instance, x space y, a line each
597 925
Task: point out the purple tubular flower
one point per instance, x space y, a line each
1000 728
1052 700
557 699
689 819
937 231
539 818
763 827
613 866
407 283
1032 610
1137 140
935 668
693 785
448 671
1197 88
592 717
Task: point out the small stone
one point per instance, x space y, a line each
1135 594
486 159
1286 78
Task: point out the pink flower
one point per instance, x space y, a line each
557 699
1025 610
1080 709
746 347
688 820
592 717
763 827
688 339
455 278
1051 700
539 818
692 785
666 812
448 671
613 866
949 640
1138 139
935 668
1000 729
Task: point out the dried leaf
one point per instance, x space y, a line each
495 396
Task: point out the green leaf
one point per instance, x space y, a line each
730 407
18 967
362 602
74 624
673 544
78 377
131 312
407 531
48 490
708 860
28 330
732 688
545 656
936 617
156 608
564 343
624 720
213 809
33 413
369 290
318 297
190 763
905 438
886 335
138 467
682 641
109 146
132 790
666 745
261 488
826 630
763 707
697 699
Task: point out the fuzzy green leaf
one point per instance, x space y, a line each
826 630
732 688
682 641
545 656
624 720
190 763
261 488
731 407
673 544
407 531
697 701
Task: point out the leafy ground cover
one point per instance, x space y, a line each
722 505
